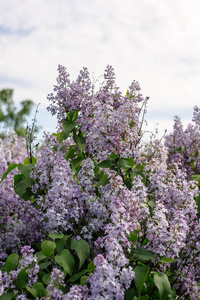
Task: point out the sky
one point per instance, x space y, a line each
154 42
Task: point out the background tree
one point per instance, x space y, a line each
10 117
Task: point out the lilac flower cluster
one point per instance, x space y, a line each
172 230
183 145
57 279
62 198
107 280
20 221
175 209
108 120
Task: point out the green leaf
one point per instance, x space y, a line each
8 296
23 182
48 248
84 279
60 243
105 164
131 161
114 156
80 141
77 275
22 186
27 160
44 265
103 180
152 204
124 163
66 260
60 137
144 255
140 167
82 249
70 153
37 290
96 170
67 128
166 260
163 285
22 279
11 262
46 279
141 274
18 178
91 267
10 168
55 236
128 183
72 116
26 169
76 163
40 256
130 295
133 237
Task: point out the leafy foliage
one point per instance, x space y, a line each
10 118
36 276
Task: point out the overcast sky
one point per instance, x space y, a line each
154 42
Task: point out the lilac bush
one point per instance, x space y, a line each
92 187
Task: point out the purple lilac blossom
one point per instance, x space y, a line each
22 222
108 120
107 281
77 292
183 145
57 279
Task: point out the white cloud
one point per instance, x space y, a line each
154 42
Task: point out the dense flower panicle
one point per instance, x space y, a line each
196 115
108 120
127 207
110 129
107 282
69 94
157 229
57 279
183 145
12 150
175 209
62 203
86 175
110 77
76 292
